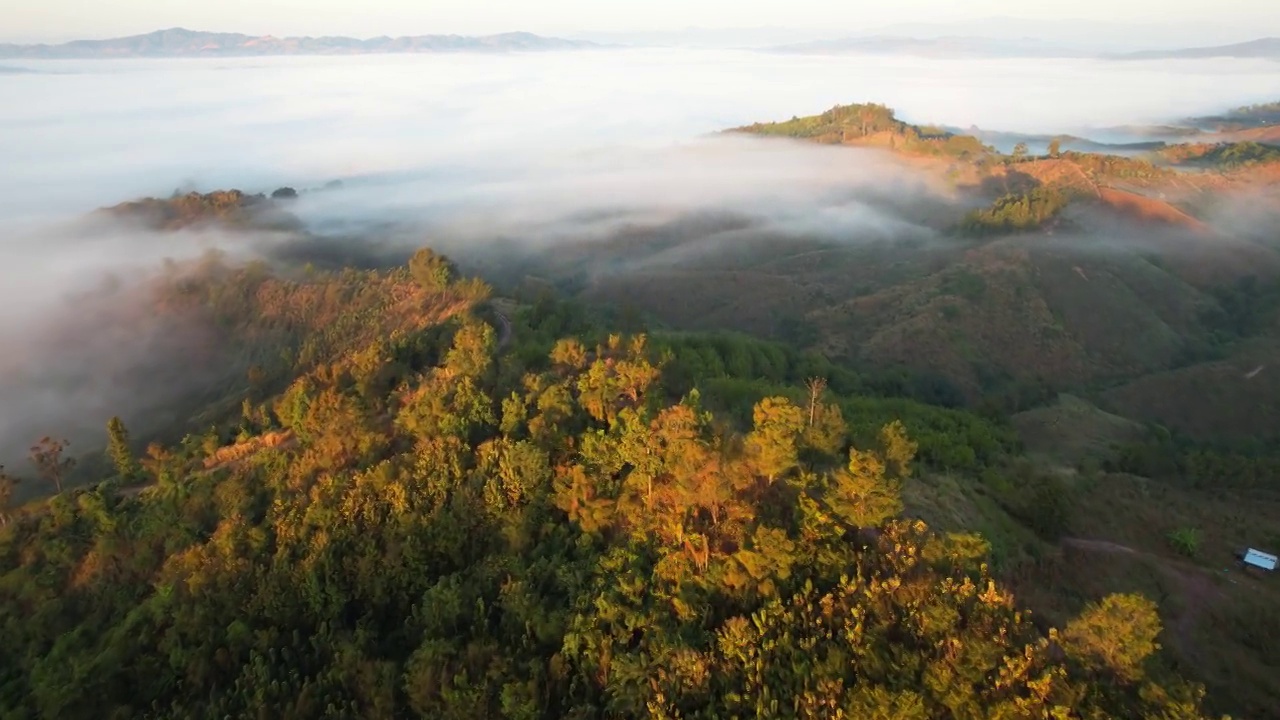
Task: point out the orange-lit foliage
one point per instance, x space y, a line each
413 526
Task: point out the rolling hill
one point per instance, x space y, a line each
1079 345
1266 48
1124 283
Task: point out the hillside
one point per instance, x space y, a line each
1043 295
423 522
871 125
989 454
179 42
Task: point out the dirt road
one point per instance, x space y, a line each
504 329
1195 584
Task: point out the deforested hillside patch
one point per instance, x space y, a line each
1147 209
1128 315
1212 400
1073 432
979 323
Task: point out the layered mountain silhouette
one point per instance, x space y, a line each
179 42
986 47
1267 48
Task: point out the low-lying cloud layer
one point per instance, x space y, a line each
467 150
545 198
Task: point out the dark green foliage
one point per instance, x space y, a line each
8 486
1239 155
964 283
432 272
1040 500
697 357
1246 464
225 207
1103 166
119 451
1241 118
1244 309
1015 213
835 125
851 123
1185 541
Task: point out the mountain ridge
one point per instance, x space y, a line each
1265 48
181 42
947 46
973 46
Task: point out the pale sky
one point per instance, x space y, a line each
59 20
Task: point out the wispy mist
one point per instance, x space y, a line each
84 133
534 149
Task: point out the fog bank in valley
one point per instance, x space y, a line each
464 151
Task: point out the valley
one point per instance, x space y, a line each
515 474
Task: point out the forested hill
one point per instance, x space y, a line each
872 124
412 513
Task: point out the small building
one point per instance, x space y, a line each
1259 559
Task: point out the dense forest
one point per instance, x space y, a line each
421 502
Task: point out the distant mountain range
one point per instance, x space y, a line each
984 47
1266 48
930 47
179 42
1081 38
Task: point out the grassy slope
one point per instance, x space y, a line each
1214 614
1087 313
1216 399
1022 309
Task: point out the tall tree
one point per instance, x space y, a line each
1117 634
772 442
816 386
46 455
119 451
899 449
861 495
472 352
7 485
434 273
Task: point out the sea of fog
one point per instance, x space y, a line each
79 134
454 150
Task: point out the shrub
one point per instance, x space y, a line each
1185 541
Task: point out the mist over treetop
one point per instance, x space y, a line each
375 388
